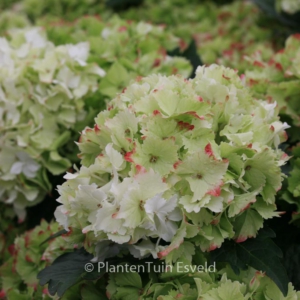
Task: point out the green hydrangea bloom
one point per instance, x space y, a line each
220 285
223 34
42 95
176 159
278 80
125 49
9 229
28 256
237 34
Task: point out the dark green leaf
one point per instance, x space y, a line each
190 54
122 4
260 253
67 270
268 6
292 264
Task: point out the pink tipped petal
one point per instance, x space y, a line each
169 249
215 192
241 239
212 247
208 150
140 169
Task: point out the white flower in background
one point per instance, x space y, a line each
289 6
25 165
42 94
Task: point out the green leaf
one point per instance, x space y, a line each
127 293
42 180
268 6
292 264
91 292
61 140
15 295
247 224
115 80
132 279
67 270
160 289
55 163
260 253
294 182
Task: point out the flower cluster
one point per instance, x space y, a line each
42 96
223 34
176 159
166 169
237 34
8 231
221 285
29 255
125 49
278 80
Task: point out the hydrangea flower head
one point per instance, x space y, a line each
29 254
278 80
174 160
225 34
125 49
43 89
